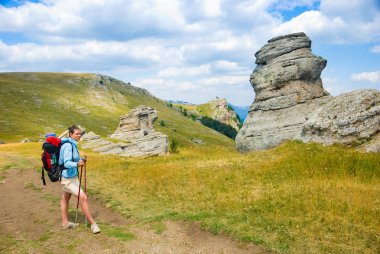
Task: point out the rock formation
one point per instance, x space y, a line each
291 103
136 134
138 123
222 113
349 118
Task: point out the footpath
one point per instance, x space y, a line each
30 223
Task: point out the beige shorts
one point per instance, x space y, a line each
71 185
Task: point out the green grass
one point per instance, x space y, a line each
32 186
296 198
117 232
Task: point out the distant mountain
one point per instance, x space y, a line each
242 111
181 102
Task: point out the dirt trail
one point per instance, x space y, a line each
30 223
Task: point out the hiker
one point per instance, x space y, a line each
70 158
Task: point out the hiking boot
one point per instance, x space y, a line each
95 228
70 225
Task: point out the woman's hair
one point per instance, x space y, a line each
73 128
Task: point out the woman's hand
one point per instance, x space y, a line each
81 162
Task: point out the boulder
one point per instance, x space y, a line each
350 118
136 134
136 124
288 89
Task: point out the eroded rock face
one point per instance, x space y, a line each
352 117
288 89
221 113
136 124
136 134
291 103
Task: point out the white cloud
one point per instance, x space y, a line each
375 49
173 47
373 77
184 71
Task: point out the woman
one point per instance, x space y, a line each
70 158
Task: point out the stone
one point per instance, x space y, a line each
288 89
2 142
198 141
137 123
136 134
222 113
350 118
291 103
266 129
26 140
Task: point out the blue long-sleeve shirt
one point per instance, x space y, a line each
69 158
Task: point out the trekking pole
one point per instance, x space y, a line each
80 182
85 191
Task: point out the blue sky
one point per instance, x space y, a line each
188 50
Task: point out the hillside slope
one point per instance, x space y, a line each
217 109
32 104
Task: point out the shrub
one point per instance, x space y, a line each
173 146
220 127
162 123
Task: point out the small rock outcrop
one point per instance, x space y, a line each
136 124
136 134
222 113
291 102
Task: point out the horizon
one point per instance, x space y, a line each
188 52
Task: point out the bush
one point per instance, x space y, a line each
162 123
173 146
220 127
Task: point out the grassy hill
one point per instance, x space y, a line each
32 104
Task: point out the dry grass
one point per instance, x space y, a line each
296 198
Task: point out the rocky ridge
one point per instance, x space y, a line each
222 113
291 102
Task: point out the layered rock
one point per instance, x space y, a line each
222 113
136 134
349 118
288 89
136 124
291 103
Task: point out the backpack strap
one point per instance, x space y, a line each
72 158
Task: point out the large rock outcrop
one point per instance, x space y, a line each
288 89
136 134
291 102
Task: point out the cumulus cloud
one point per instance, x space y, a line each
373 77
337 22
173 48
375 49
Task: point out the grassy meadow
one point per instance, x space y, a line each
296 198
